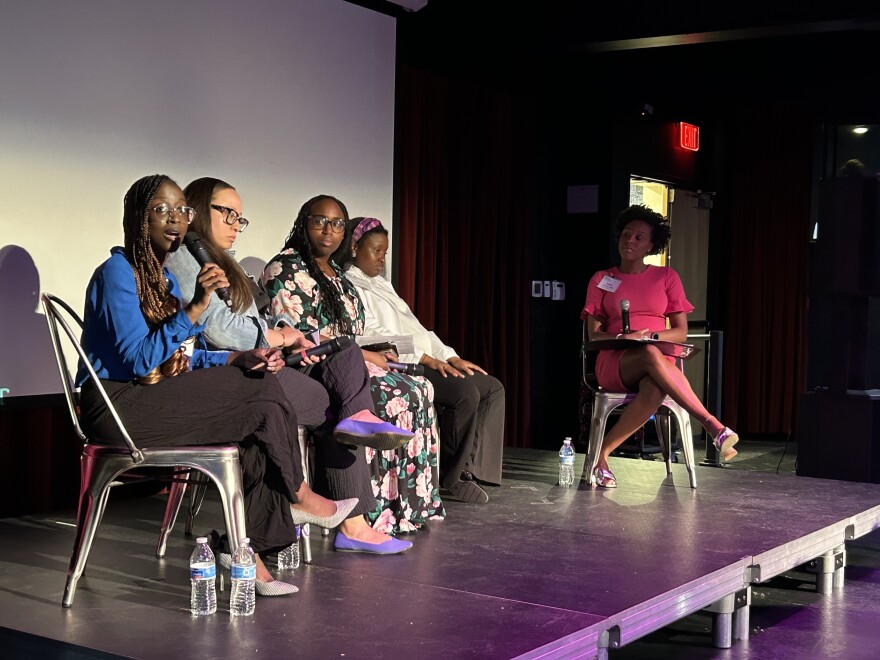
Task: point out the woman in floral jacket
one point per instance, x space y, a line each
309 292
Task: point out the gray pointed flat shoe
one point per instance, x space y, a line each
274 588
343 508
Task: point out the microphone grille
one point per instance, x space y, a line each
624 305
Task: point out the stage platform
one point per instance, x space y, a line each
539 572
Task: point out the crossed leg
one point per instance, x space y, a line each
656 377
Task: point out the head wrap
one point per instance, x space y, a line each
363 227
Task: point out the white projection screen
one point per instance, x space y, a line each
284 99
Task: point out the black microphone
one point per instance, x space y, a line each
624 316
409 368
325 348
194 244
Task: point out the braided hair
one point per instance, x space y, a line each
199 194
298 239
157 302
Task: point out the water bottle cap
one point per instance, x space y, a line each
202 539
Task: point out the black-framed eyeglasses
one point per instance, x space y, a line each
231 216
184 213
320 221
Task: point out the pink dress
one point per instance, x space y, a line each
653 295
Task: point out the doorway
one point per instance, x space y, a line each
688 254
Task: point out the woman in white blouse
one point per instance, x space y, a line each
470 402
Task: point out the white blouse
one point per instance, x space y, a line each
387 314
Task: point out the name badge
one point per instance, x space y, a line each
187 346
609 284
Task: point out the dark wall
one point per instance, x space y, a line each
565 247
39 456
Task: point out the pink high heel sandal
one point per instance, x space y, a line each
724 443
604 478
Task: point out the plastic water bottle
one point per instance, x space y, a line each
288 559
244 578
566 464
202 574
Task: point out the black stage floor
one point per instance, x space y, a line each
538 572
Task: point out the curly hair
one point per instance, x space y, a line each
199 194
660 230
298 239
157 302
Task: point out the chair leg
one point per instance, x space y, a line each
601 411
664 435
687 443
94 492
197 490
305 453
172 507
227 475
305 544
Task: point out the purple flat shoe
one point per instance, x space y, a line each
378 435
390 547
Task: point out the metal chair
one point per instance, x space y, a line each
102 465
196 484
605 403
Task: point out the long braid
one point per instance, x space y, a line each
298 239
157 303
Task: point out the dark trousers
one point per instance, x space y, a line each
322 395
219 405
331 390
471 418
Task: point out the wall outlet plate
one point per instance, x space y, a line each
558 290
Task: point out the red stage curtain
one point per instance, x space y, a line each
464 223
765 341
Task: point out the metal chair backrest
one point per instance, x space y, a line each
55 319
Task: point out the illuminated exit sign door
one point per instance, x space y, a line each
689 136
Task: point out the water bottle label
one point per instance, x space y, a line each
244 572
203 573
566 460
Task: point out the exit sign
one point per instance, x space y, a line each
689 136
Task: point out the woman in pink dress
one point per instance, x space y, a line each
655 296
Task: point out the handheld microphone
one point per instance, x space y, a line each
332 346
624 316
194 244
408 368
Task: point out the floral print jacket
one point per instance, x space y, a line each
295 298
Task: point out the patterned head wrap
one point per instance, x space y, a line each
363 227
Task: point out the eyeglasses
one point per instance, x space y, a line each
231 216
320 221
164 212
